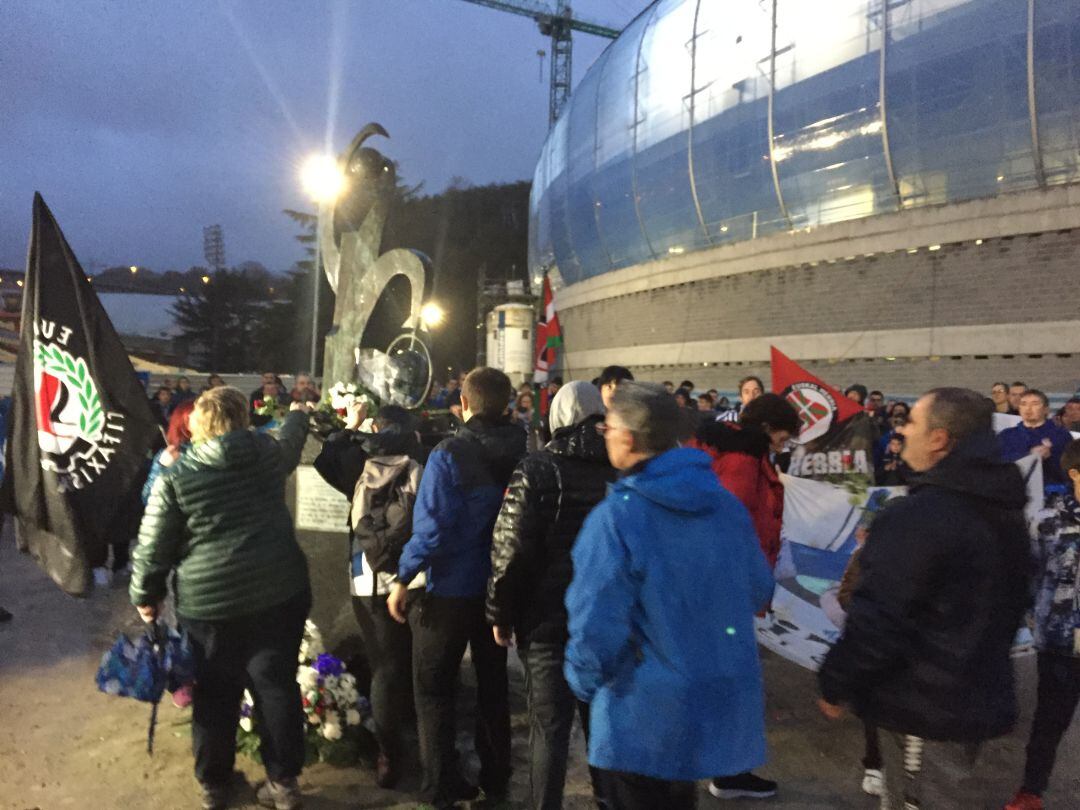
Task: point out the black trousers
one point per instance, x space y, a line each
258 652
872 751
551 707
631 791
1059 693
442 627
388 646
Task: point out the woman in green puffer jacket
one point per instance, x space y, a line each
218 518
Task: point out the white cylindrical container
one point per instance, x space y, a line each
510 341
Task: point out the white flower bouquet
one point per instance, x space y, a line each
333 707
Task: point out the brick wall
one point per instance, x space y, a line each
902 377
1025 278
1016 279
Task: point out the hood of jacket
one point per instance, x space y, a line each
390 441
574 402
582 441
237 448
726 437
975 467
680 480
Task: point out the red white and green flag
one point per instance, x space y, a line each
548 337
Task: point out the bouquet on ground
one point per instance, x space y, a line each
334 709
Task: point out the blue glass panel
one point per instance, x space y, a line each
561 238
827 126
662 162
731 128
541 251
956 99
614 181
581 158
1057 88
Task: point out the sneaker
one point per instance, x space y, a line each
283 795
873 782
216 797
743 786
385 773
1025 801
461 791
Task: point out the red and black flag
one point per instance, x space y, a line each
836 437
80 424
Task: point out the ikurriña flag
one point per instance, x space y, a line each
80 425
548 336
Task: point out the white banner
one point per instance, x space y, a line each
821 523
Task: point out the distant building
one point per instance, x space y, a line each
144 321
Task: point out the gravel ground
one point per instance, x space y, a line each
64 745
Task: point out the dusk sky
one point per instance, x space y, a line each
141 121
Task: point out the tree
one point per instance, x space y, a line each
224 317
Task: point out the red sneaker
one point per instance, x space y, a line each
1025 801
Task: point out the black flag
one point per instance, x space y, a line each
80 424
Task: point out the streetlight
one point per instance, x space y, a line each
134 269
432 315
323 182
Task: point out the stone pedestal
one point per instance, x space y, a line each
320 513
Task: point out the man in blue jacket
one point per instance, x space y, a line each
456 506
1036 435
668 574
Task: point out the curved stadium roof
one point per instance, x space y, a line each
713 121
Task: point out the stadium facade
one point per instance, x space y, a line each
884 189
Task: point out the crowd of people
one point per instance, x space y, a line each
625 558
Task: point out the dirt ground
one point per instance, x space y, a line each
65 745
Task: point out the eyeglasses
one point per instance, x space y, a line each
603 428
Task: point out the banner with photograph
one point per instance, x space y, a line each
823 524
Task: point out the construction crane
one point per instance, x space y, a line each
557 23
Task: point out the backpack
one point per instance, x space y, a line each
382 509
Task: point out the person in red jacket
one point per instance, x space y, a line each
742 456
742 460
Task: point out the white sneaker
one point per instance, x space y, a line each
102 577
873 782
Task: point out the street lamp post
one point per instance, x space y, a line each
323 181
315 295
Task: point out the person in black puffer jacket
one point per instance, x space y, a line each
942 591
550 494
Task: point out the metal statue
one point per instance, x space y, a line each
350 233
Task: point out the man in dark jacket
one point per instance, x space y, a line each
459 498
384 456
942 590
550 494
